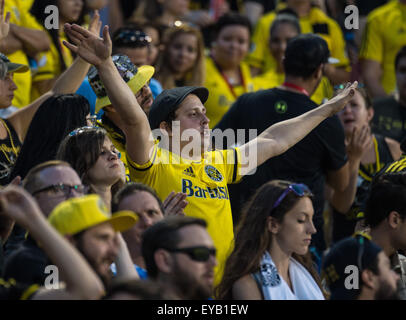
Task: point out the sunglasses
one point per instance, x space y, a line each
299 189
131 37
200 254
64 189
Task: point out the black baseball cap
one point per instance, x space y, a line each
348 252
169 100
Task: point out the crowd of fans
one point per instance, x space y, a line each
118 180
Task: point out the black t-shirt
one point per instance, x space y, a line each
389 118
27 264
307 162
9 149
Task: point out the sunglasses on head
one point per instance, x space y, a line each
299 189
131 37
83 129
200 254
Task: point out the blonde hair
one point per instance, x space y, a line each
193 77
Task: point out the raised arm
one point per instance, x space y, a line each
135 123
68 82
281 136
124 265
81 281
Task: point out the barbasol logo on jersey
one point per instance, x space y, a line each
213 173
196 191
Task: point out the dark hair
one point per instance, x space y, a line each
30 181
285 18
54 119
38 11
231 19
387 194
252 237
134 188
400 55
141 289
81 150
164 234
304 54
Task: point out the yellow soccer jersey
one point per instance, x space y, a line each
49 65
21 17
384 35
204 182
316 22
271 79
221 96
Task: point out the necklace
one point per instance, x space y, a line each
10 159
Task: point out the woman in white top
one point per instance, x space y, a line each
270 259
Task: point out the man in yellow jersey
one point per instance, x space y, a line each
384 35
185 164
312 20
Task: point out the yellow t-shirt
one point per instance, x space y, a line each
384 35
271 79
328 29
204 182
221 97
21 17
49 65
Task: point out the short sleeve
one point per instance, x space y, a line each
232 164
372 42
332 137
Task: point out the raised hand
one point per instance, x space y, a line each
19 205
88 46
95 24
358 142
340 100
4 23
174 204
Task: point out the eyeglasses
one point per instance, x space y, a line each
299 189
200 254
131 37
63 189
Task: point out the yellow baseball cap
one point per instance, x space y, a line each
78 214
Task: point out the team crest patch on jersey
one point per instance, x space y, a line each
281 106
213 173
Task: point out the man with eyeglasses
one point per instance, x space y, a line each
50 183
180 255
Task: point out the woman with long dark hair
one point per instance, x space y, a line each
270 259
92 154
55 118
